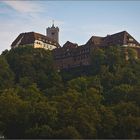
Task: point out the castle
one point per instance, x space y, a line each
37 40
71 54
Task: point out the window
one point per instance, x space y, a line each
130 39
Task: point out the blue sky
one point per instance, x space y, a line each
77 20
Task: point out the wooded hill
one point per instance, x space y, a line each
100 101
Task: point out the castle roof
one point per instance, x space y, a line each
30 37
96 40
120 38
69 44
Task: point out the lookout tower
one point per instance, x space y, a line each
53 32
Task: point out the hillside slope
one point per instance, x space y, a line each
98 101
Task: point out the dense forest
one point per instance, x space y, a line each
98 101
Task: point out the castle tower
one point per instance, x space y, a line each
53 33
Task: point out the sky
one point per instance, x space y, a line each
77 20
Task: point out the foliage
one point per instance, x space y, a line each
6 75
98 101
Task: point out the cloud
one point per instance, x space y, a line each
12 25
24 6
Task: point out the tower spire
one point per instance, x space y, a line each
53 32
52 23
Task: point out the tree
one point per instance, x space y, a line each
79 84
30 93
107 124
6 75
128 120
13 114
40 132
114 57
132 55
128 76
93 97
69 132
118 94
98 58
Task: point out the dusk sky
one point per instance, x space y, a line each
77 20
